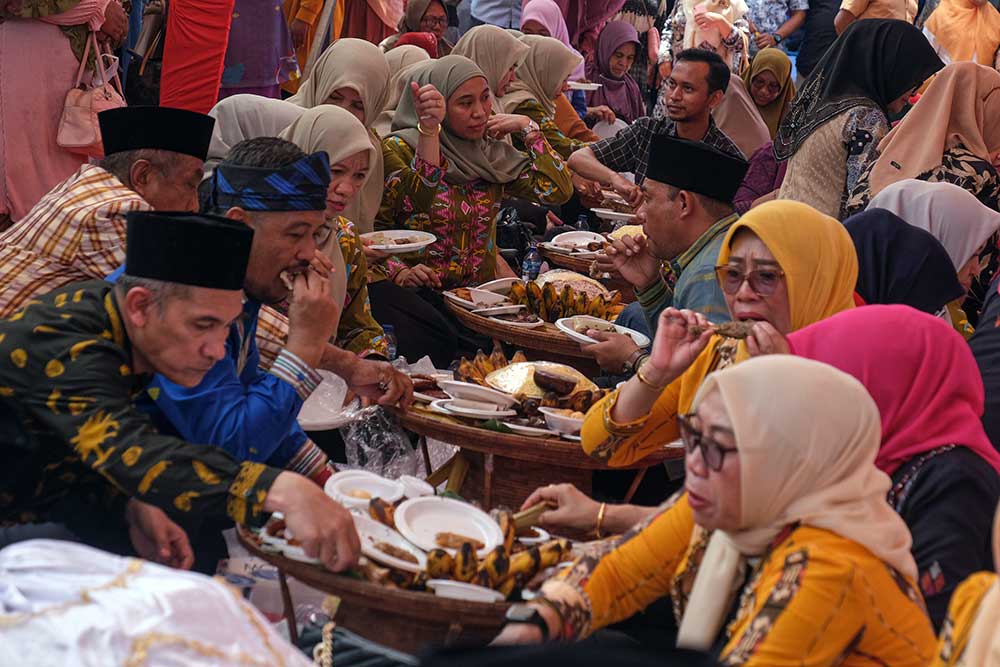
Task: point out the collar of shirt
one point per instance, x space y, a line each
678 264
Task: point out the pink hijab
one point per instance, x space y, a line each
621 95
548 13
918 369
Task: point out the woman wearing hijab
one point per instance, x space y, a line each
899 263
955 218
545 19
841 114
352 74
970 637
782 548
401 61
428 16
769 81
242 117
542 78
738 118
495 51
344 139
944 470
965 30
782 262
648 17
617 48
951 135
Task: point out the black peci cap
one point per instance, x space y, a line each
695 167
162 128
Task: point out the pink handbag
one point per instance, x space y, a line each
79 131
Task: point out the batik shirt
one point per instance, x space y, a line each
769 15
358 331
71 430
813 597
461 216
962 614
560 142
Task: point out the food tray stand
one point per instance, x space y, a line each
581 265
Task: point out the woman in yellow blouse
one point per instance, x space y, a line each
783 264
971 634
784 507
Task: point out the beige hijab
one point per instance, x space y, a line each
486 159
415 10
541 75
983 647
494 49
962 105
338 132
807 436
402 61
740 119
359 65
242 117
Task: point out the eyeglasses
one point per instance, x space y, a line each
712 453
763 282
434 21
322 235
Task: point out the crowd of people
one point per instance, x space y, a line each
175 276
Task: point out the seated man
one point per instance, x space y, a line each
695 87
686 211
73 360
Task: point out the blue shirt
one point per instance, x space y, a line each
501 13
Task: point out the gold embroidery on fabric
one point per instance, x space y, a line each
54 368
60 300
124 370
204 473
6 391
44 328
116 323
78 404
75 351
154 392
155 471
51 403
131 455
92 434
19 357
78 296
183 501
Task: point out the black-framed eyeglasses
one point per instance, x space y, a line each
763 282
712 453
322 234
433 21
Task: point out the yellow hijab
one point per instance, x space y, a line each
982 649
777 63
548 63
965 29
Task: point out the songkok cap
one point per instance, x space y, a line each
160 128
187 248
300 186
696 167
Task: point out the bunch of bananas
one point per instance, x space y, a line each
476 370
551 304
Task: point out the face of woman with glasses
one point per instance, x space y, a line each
435 20
754 284
712 465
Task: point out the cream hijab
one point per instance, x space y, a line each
807 436
983 646
738 117
338 132
541 75
402 61
493 49
486 159
243 117
361 66
952 215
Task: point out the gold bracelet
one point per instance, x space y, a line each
644 380
427 133
600 519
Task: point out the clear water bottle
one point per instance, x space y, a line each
532 263
390 340
583 222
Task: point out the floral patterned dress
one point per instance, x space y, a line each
559 142
358 332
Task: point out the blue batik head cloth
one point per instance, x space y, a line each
300 186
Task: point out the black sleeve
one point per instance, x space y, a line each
985 344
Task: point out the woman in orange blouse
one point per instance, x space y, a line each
783 505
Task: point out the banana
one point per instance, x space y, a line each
482 578
535 298
467 372
518 358
497 357
483 363
440 564
596 307
495 566
512 586
580 304
518 294
614 299
466 563
552 552
567 301
509 530
525 563
382 512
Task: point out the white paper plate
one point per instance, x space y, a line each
459 590
472 409
579 85
539 322
299 554
500 285
371 532
342 483
577 239
608 214
567 324
562 250
415 487
543 537
561 423
498 310
474 392
424 398
482 299
421 240
568 436
531 430
420 520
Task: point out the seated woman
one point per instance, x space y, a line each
616 51
783 263
842 112
353 74
955 218
495 51
763 179
970 637
944 469
345 140
444 176
541 78
769 81
784 508
951 135
738 118
401 61
545 19
422 16
242 117
901 264
965 30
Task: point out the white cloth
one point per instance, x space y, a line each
134 610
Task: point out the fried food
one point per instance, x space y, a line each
440 564
447 540
360 494
382 512
555 382
739 329
590 325
396 552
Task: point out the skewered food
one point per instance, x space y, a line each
447 540
738 329
396 552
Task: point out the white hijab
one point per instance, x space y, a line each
807 436
243 117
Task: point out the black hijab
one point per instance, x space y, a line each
902 264
871 64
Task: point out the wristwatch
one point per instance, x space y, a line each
522 613
633 362
532 126
777 37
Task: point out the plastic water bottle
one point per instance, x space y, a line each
532 263
390 340
583 222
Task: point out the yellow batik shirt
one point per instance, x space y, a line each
70 428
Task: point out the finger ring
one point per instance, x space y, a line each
383 385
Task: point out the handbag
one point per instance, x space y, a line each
79 131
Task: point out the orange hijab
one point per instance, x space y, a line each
966 29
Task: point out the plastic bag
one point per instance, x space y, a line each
374 441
